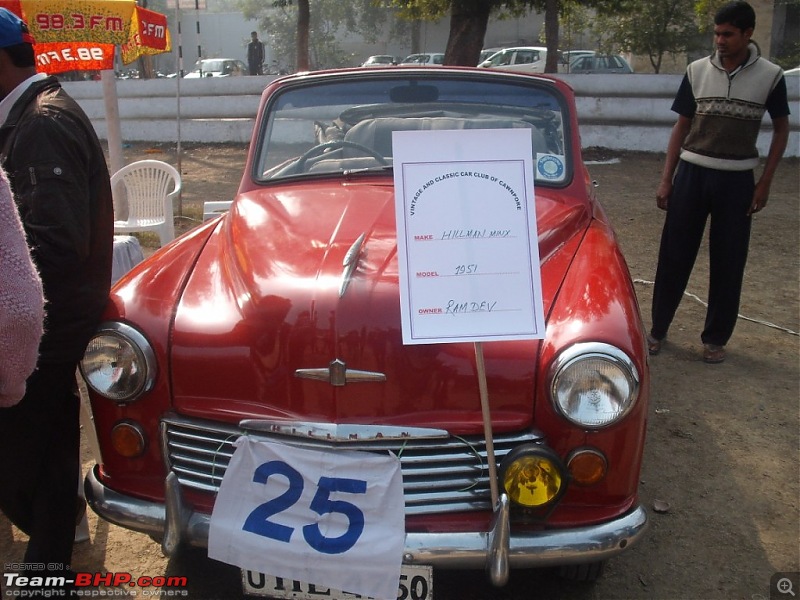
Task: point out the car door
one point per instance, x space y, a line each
583 64
526 57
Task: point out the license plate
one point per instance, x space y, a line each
416 583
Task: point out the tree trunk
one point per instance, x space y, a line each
146 70
416 36
303 25
551 35
468 21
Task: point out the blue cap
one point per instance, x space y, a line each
13 30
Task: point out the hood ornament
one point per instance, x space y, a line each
337 374
350 263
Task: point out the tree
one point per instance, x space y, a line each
670 27
468 21
303 25
551 35
305 33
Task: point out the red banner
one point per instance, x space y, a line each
152 28
148 35
57 57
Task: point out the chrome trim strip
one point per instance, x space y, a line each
337 374
527 549
350 263
341 432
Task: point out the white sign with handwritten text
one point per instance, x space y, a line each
466 233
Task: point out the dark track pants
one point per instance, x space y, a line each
698 193
39 465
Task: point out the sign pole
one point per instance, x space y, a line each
178 77
487 422
114 130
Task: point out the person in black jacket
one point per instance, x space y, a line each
255 55
61 183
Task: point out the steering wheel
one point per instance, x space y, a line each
335 145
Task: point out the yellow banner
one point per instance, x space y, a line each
100 21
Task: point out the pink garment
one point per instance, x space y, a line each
21 302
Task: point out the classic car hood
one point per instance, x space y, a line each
274 324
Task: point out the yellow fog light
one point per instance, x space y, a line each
587 466
532 476
128 439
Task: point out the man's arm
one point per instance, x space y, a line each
53 190
679 132
780 137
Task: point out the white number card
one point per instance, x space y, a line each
334 518
467 242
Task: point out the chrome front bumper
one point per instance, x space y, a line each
498 549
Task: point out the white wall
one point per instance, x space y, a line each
620 112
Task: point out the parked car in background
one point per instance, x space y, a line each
424 59
527 59
600 63
380 60
217 67
486 53
281 321
567 56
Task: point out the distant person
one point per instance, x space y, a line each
21 303
255 55
720 103
61 185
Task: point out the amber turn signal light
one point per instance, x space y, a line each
128 439
587 466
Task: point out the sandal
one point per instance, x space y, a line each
713 354
653 345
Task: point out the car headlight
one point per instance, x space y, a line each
594 384
119 363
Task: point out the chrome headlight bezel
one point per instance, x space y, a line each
578 400
100 366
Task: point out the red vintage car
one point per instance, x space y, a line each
281 320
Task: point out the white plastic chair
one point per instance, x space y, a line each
148 188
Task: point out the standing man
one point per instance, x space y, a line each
61 184
255 55
720 103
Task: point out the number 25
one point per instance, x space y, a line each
258 520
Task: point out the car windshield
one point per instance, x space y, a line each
214 66
344 124
501 58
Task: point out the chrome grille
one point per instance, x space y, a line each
439 475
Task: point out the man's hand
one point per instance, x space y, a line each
663 193
760 197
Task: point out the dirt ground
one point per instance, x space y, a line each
721 463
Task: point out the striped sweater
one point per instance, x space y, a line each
725 126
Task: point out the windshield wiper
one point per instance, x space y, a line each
375 169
